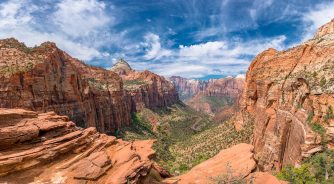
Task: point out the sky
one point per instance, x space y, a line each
189 38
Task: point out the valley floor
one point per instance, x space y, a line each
184 137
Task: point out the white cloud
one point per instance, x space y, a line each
231 50
81 17
207 49
153 47
209 58
317 17
320 15
71 26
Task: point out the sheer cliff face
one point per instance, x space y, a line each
149 90
291 94
146 89
46 78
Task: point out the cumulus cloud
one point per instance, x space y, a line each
153 47
210 58
80 18
320 15
207 49
316 17
230 48
69 26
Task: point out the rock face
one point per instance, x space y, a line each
325 29
121 67
146 89
220 98
187 88
234 162
47 79
290 94
263 178
48 148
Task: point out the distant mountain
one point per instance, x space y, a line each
217 97
187 88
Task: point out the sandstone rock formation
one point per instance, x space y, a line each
290 94
48 148
263 178
147 89
220 98
187 88
232 165
234 162
121 67
325 29
45 79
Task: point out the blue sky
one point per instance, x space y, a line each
190 38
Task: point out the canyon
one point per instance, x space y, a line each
46 78
57 114
219 98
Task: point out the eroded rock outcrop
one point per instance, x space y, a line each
290 94
48 148
234 162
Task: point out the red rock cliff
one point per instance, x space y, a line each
187 88
291 95
220 98
146 89
47 79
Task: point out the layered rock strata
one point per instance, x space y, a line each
147 89
219 95
45 78
187 88
291 96
48 148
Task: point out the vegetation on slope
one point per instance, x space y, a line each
133 84
184 137
216 103
317 169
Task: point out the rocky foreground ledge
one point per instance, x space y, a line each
232 165
48 148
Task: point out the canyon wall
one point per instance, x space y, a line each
220 98
45 78
187 88
291 95
147 89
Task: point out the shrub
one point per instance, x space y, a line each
230 177
318 128
300 175
310 117
329 114
323 82
317 169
